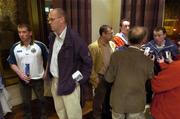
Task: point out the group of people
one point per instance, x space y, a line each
118 68
134 63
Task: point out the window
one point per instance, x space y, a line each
172 19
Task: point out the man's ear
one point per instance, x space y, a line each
62 19
164 35
144 41
103 33
31 33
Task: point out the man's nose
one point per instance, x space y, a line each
157 37
49 21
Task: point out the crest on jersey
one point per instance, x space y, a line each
33 50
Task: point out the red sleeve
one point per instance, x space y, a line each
118 41
167 79
163 65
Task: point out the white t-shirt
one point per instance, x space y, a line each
33 55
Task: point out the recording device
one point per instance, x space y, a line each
167 54
77 76
147 51
27 69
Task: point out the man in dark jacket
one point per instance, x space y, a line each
69 65
161 46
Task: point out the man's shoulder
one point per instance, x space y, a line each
51 35
71 33
74 37
94 44
93 47
15 45
169 42
118 53
39 43
150 43
122 48
120 34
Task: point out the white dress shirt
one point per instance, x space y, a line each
59 40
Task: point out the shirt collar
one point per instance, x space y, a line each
135 47
103 43
162 45
31 43
62 35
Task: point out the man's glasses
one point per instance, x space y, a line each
52 19
110 33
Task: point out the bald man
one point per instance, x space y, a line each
69 65
128 71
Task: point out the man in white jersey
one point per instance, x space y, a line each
27 58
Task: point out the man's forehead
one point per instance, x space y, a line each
52 13
22 28
109 29
126 23
158 32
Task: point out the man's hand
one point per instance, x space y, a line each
24 77
160 60
45 77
